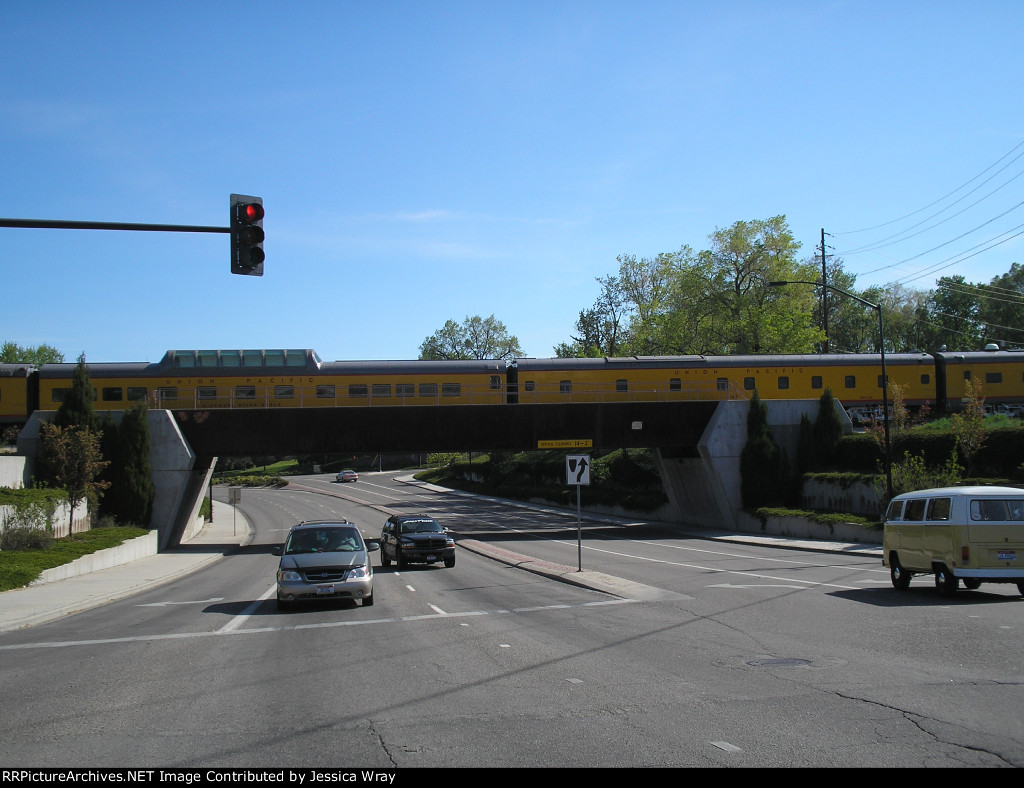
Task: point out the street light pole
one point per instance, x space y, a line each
885 377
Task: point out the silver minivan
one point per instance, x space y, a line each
969 534
324 559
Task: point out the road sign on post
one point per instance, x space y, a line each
577 469
577 473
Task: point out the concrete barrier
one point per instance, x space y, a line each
132 550
805 528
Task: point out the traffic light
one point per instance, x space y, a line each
247 235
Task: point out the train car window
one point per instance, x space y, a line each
748 384
495 382
914 511
428 389
565 387
405 390
184 358
622 385
229 358
938 508
252 358
136 393
206 358
325 391
284 392
851 381
675 384
358 391
170 392
57 395
815 381
993 377
925 379
295 358
381 390
113 394
967 374
529 386
273 358
206 392
451 389
722 384
783 381
245 392
880 381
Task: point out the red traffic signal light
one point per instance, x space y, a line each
247 235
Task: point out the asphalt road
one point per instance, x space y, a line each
726 655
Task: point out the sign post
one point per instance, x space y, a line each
577 472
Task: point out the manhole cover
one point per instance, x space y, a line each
785 662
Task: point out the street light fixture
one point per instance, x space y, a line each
885 378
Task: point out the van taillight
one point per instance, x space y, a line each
965 553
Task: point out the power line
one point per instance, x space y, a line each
925 208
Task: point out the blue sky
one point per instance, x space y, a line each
428 161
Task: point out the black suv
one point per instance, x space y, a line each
415 539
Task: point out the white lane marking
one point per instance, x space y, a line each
224 632
196 602
756 585
714 569
724 745
438 610
410 588
242 617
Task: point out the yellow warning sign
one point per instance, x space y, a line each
570 443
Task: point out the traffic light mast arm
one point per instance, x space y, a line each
61 224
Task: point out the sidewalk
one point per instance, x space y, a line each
37 604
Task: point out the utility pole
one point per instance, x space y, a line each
824 292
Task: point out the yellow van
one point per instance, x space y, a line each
974 534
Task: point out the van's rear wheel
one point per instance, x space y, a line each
945 582
900 576
972 583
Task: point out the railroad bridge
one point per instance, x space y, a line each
698 444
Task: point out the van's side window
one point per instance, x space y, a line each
914 511
895 511
938 508
996 509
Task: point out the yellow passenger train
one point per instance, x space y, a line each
205 379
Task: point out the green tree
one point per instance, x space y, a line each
968 425
955 308
131 494
73 455
762 475
11 353
476 338
828 430
599 328
76 409
1002 308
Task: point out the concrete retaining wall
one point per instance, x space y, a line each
801 528
132 550
853 498
14 472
